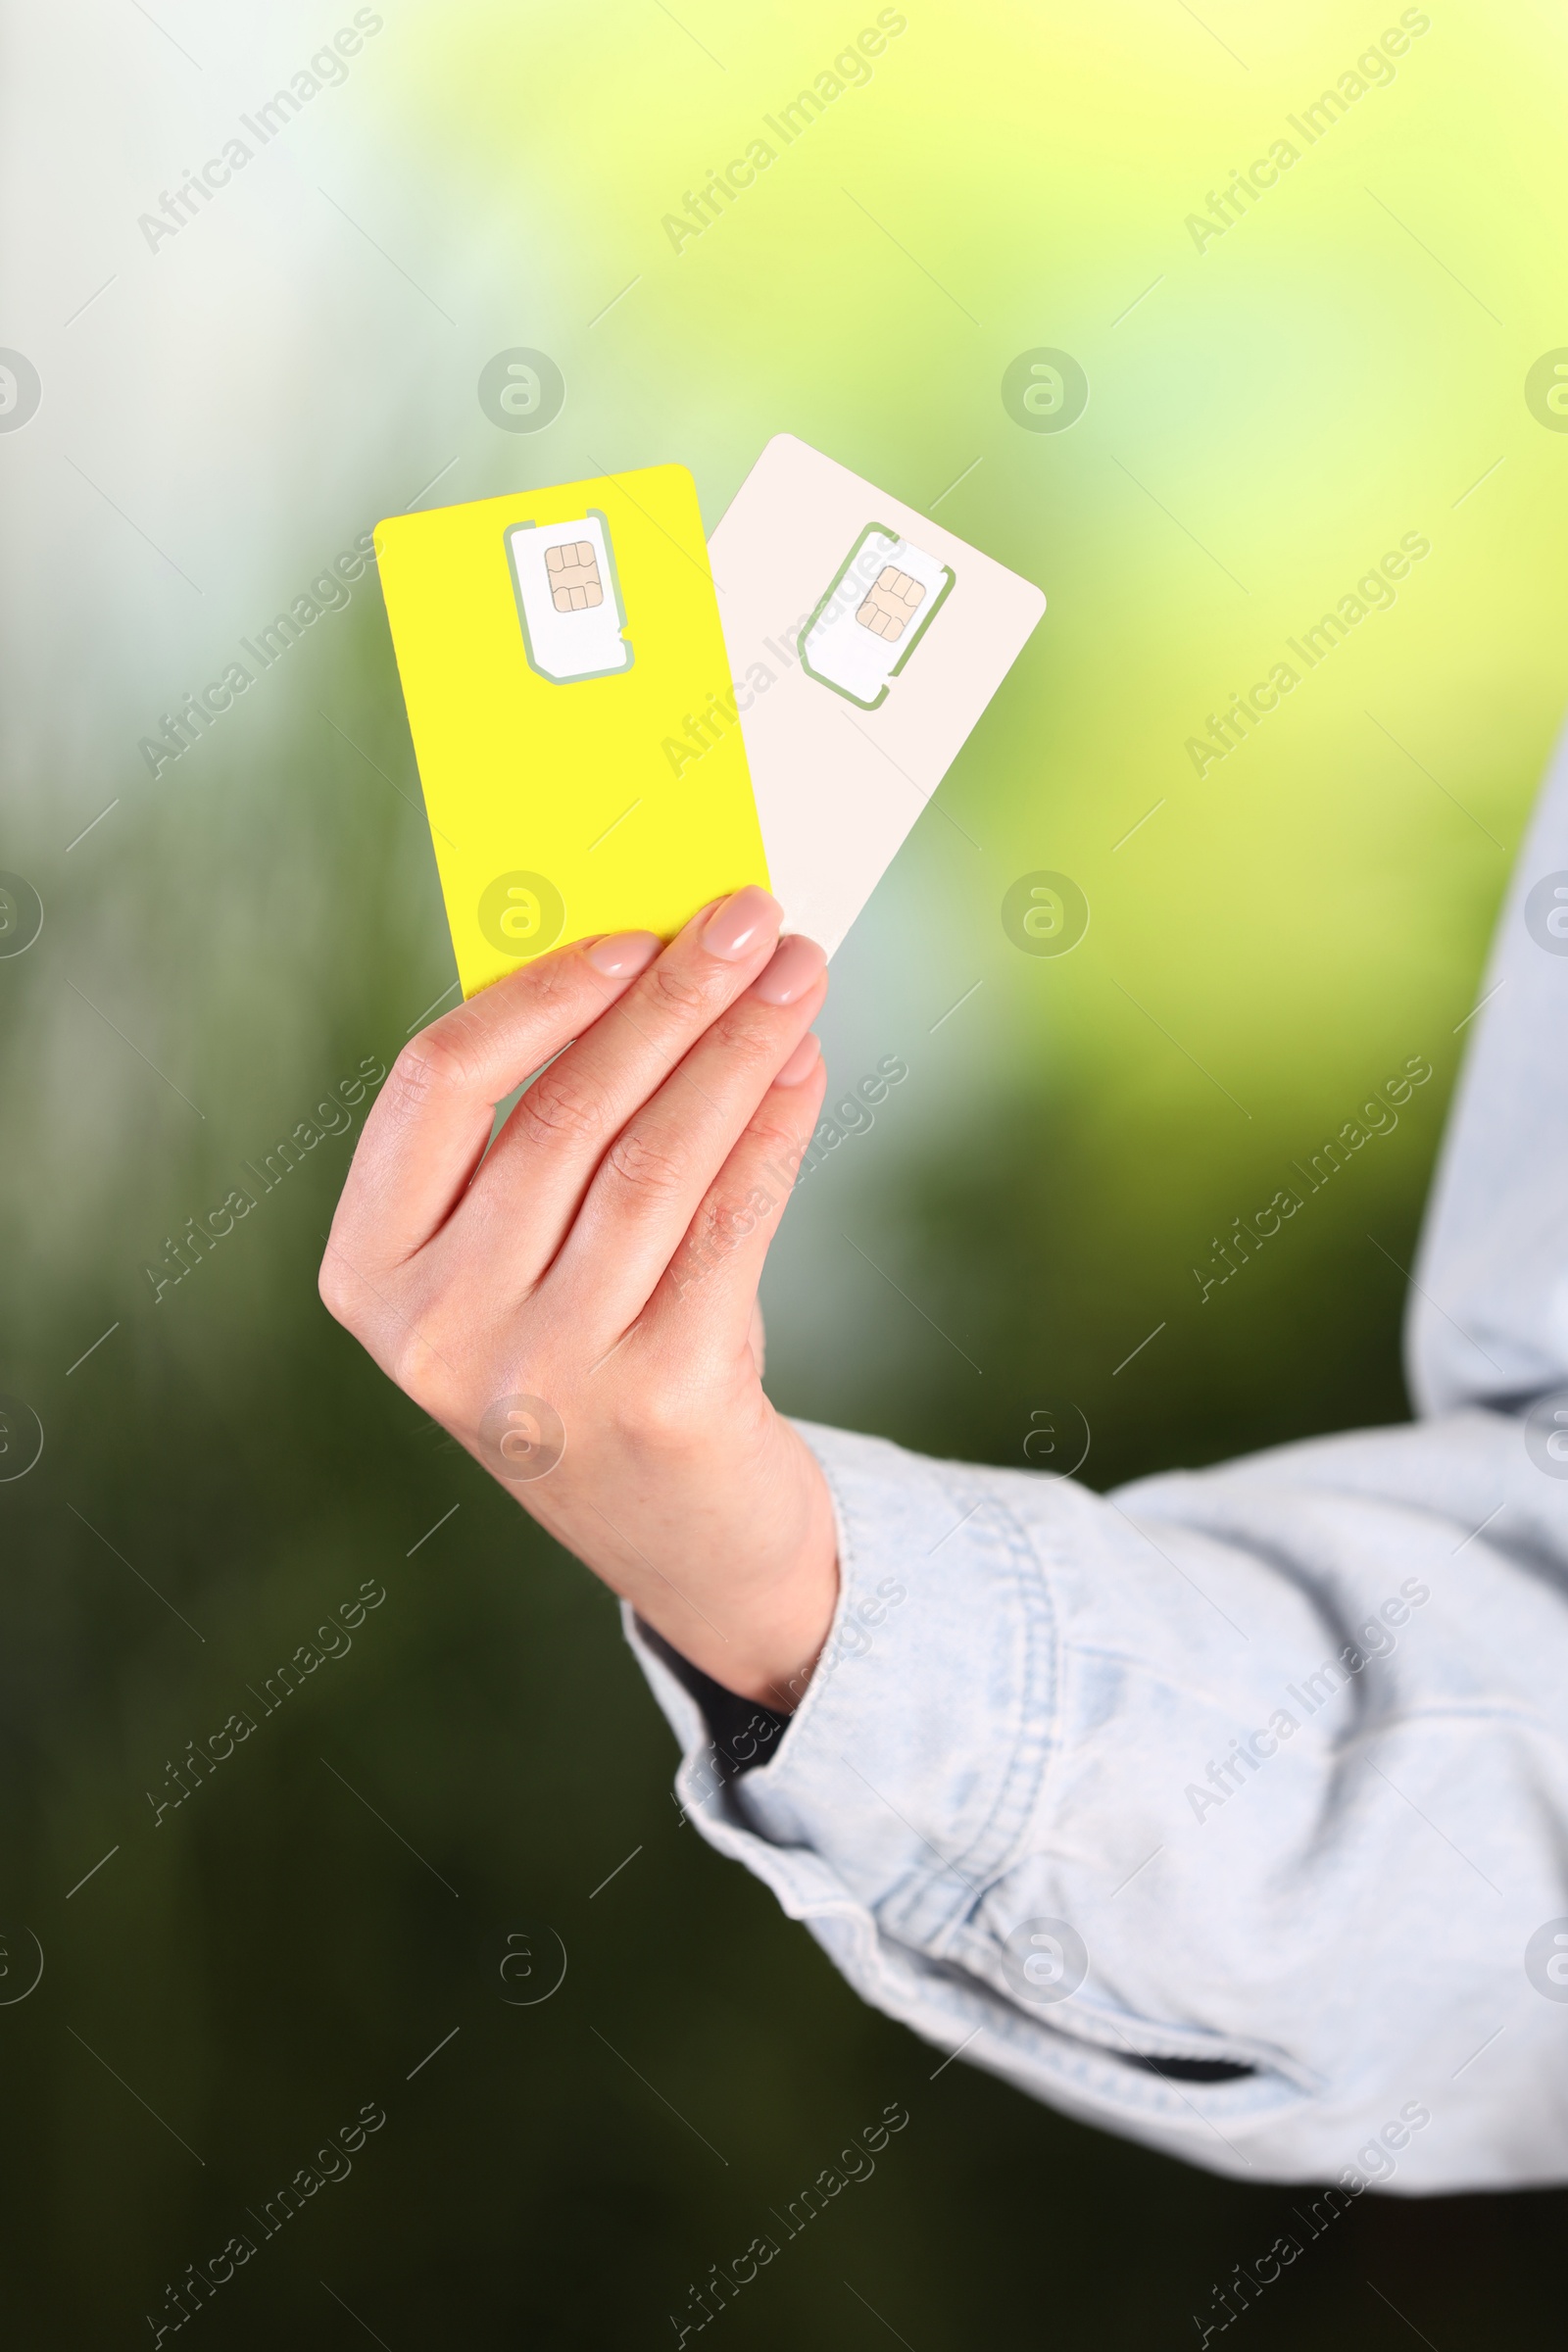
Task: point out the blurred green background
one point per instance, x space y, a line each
221 413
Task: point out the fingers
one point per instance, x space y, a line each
720 1262
433 1118
525 1197
654 1178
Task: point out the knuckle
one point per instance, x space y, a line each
753 1040
645 1166
750 1027
722 1225
421 1377
554 1111
422 1354
554 982
782 1146
725 1220
431 1063
405 1355
540 994
678 991
335 1288
449 1056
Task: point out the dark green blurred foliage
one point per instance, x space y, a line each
1037 1255
291 1942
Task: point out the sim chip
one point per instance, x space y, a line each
574 582
569 600
878 605
892 604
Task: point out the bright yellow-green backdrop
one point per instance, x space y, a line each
1270 410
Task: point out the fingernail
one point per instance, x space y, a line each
802 1062
741 923
797 964
625 953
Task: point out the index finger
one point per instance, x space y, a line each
432 1119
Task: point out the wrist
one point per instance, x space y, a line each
738 1571
778 1635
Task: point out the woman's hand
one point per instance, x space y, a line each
578 1304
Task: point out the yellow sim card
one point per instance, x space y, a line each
561 661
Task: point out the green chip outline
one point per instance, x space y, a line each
900 538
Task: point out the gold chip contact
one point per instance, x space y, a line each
575 584
891 604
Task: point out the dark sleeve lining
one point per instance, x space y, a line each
744 1732
1193 2070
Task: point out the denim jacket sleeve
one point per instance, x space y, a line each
1230 1811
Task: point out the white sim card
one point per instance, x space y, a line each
864 642
568 599
874 613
